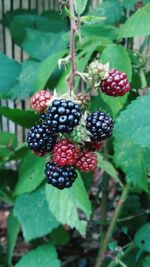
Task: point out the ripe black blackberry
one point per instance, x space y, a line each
40 139
60 177
62 116
100 124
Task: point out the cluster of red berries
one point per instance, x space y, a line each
69 134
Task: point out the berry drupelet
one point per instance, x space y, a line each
65 153
100 125
62 116
116 84
60 177
40 140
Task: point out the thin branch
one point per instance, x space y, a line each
111 227
72 46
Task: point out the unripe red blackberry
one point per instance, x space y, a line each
62 116
65 153
40 139
86 161
60 177
100 124
116 84
39 100
84 100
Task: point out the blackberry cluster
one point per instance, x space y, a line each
40 139
100 125
62 116
60 177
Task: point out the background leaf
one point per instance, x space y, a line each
46 69
48 43
118 58
105 10
80 6
26 85
12 233
24 118
132 143
142 237
64 204
44 256
137 24
33 214
8 142
30 177
9 72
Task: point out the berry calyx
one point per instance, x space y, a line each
100 124
60 177
39 100
65 153
86 161
40 139
62 116
116 84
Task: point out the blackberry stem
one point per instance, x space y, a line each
72 46
112 226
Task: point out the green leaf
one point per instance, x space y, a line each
8 142
134 123
59 236
24 118
80 6
132 142
43 256
12 233
129 4
9 72
64 204
47 68
19 152
33 214
107 167
57 22
11 14
118 58
31 173
146 262
142 237
26 85
105 10
115 104
8 180
48 43
137 24
21 22
134 161
99 30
